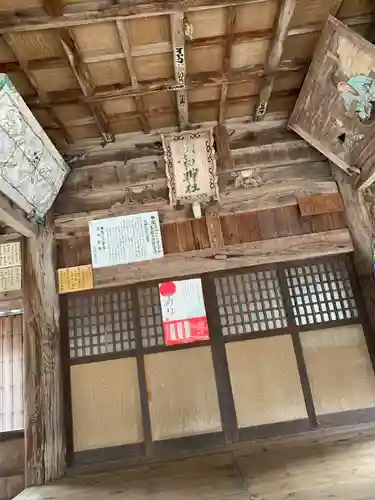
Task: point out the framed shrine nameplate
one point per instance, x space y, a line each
190 164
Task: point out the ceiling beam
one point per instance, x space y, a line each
231 21
179 64
83 78
286 12
165 47
43 96
127 9
335 7
16 218
54 8
138 101
200 80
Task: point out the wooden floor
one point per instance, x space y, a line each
301 470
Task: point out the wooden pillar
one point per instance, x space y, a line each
361 226
44 426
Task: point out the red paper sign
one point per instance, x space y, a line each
183 310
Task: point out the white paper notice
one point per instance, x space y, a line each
121 240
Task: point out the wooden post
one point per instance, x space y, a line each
44 426
361 228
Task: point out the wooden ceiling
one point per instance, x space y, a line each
94 70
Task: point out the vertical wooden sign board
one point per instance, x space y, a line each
335 111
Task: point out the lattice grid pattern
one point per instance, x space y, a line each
321 293
250 302
100 323
150 317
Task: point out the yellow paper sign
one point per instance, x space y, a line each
10 254
10 279
75 279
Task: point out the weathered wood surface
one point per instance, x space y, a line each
339 467
179 64
227 56
215 234
11 300
241 200
361 225
321 115
286 12
323 204
91 70
256 171
44 426
16 218
230 257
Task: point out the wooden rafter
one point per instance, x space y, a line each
53 8
16 218
335 7
43 96
231 20
179 63
281 32
166 47
167 85
124 10
82 75
138 100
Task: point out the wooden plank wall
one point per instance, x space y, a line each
237 228
11 373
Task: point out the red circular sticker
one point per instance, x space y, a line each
167 289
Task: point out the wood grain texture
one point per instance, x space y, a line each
286 11
179 55
215 233
105 413
324 467
16 218
11 375
265 381
323 204
230 257
44 422
182 393
339 369
320 115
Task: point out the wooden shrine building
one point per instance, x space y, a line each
221 157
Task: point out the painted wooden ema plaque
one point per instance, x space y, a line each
122 240
320 204
75 279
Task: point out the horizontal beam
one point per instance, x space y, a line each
16 218
229 257
143 112
166 47
128 9
233 201
27 21
200 80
